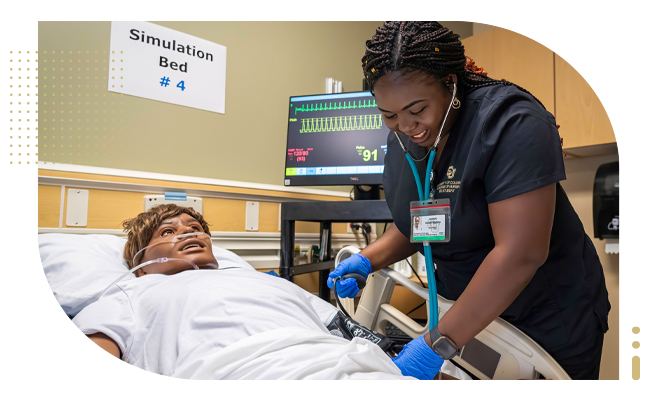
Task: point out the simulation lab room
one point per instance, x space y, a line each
328 200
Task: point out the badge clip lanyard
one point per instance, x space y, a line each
423 195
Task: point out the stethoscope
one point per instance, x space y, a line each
431 153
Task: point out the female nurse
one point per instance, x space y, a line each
517 249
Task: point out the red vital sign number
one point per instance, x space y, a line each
300 154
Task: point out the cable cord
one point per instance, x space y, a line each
366 229
415 272
336 296
416 308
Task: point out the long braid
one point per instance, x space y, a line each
426 47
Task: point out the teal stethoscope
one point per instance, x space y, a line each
431 279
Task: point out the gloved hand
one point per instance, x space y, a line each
418 360
357 264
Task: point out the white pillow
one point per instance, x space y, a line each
79 267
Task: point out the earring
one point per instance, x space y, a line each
455 104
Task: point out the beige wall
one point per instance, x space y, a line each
478 28
461 28
266 63
579 187
81 122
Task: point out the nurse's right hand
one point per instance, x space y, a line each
356 264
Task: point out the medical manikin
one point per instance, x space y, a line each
187 244
188 316
156 257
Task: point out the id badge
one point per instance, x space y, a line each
430 221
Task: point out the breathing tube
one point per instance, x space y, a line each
174 240
424 195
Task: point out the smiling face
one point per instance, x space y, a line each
416 105
165 244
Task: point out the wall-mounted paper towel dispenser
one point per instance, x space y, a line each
606 219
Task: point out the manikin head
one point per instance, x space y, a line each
159 227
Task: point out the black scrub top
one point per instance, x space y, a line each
503 144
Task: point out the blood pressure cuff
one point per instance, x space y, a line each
348 328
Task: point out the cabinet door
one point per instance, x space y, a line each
587 68
480 48
508 55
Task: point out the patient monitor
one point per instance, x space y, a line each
500 351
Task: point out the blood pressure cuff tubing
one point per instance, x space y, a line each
348 328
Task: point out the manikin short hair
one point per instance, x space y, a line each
141 228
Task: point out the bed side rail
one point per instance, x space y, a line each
500 351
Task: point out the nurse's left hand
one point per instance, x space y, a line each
418 360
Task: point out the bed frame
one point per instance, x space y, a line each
500 351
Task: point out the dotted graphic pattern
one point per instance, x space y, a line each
23 107
636 360
81 121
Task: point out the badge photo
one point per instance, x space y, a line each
430 221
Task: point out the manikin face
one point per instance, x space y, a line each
415 106
196 250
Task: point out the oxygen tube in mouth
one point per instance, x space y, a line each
174 240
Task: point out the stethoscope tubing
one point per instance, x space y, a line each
428 258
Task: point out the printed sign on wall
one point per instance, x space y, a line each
159 63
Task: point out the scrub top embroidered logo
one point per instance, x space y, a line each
451 172
449 185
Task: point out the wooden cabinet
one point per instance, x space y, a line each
508 55
587 82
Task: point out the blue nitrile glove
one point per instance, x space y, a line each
356 264
272 273
418 360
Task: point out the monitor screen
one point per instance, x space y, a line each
335 139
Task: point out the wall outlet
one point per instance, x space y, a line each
153 200
350 230
252 216
77 208
373 228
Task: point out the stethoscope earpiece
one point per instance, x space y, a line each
435 145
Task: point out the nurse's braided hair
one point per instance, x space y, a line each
422 47
141 228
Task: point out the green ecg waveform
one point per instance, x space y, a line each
349 123
336 106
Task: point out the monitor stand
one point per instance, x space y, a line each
366 192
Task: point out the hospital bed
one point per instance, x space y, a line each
500 351
78 266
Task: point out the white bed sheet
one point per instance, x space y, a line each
162 323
